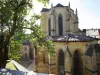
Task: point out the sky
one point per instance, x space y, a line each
88 11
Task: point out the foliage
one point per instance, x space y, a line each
15 46
43 1
14 50
13 26
37 36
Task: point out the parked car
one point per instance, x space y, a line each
14 68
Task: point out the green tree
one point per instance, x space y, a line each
13 25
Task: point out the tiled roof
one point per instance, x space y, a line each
45 9
70 37
59 5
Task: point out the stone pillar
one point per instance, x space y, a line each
53 21
53 27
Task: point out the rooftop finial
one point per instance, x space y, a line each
69 4
51 5
76 12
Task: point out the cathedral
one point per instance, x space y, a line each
60 20
75 54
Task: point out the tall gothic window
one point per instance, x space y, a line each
49 26
60 24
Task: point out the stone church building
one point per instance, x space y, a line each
59 20
75 54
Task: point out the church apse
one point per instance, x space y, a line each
63 20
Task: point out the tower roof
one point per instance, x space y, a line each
44 10
59 5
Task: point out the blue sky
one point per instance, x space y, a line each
88 11
92 7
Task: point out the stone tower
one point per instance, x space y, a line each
59 20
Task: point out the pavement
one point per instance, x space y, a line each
20 70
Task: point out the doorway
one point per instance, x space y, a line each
61 69
77 64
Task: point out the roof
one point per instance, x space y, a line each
70 37
59 5
44 10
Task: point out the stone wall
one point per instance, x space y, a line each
49 64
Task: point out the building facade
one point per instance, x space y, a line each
92 32
27 55
59 20
75 54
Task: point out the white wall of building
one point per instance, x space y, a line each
93 33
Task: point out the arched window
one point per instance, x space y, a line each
77 63
60 24
49 26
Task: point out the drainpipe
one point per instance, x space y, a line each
49 63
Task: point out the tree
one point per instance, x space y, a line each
13 25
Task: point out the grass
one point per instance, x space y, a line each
11 66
